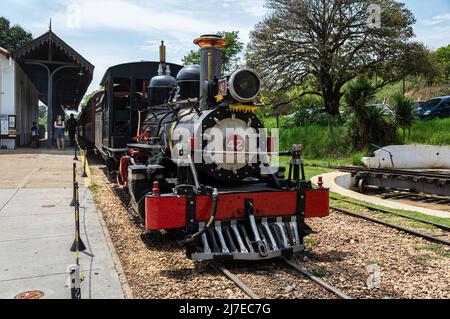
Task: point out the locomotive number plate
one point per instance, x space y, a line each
222 87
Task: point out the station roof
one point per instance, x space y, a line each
50 53
4 52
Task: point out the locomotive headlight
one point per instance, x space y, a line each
244 85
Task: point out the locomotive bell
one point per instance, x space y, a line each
210 64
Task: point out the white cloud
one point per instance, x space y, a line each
436 20
110 32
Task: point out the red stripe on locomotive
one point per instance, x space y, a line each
169 211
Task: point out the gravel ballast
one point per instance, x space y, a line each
348 253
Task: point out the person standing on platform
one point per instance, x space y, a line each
72 128
59 132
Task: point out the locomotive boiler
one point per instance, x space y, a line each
200 165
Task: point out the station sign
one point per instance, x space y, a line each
8 126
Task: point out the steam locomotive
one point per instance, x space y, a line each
200 161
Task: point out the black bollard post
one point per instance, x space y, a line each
84 165
75 158
72 204
75 281
78 244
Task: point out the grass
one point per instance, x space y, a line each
413 224
311 241
95 187
429 247
333 147
319 272
434 132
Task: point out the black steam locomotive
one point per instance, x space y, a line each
199 161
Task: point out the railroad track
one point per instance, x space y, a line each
407 230
292 264
397 172
388 212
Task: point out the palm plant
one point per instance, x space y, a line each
403 109
366 125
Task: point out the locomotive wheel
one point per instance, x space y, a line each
121 183
362 185
176 234
141 208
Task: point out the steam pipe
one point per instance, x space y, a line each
212 219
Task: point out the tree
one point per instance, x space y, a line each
330 42
12 38
87 98
442 56
42 114
417 60
231 52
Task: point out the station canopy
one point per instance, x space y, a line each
48 59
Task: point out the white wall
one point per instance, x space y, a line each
8 96
18 97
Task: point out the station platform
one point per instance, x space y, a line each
37 229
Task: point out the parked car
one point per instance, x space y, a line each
435 108
419 104
384 107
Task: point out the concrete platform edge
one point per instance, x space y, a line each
127 292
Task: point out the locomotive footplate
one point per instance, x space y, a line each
257 224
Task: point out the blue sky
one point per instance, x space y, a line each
110 32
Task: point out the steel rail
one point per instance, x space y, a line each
249 292
400 228
384 211
398 172
316 279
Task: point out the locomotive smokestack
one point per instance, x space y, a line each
210 64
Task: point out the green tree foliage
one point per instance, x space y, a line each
12 37
403 109
231 52
329 41
416 60
366 124
442 56
87 98
42 114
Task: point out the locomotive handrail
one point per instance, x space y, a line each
145 146
244 153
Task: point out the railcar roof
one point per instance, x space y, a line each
137 70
